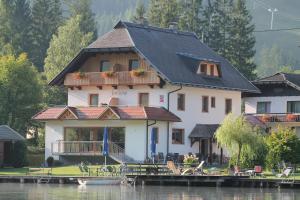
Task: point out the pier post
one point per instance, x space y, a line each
61 181
22 180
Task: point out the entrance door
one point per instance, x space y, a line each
204 149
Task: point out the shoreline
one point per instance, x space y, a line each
166 180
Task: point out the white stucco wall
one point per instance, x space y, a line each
191 116
135 135
278 104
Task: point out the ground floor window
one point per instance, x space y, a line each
177 136
116 134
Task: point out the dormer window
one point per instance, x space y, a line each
133 64
105 66
208 69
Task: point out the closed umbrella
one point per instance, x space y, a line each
105 144
153 144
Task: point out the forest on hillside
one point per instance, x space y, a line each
39 38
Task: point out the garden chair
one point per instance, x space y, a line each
258 170
197 170
161 157
285 173
84 169
171 166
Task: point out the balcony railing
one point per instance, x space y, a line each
117 78
61 147
279 117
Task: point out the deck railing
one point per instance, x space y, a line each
61 147
117 78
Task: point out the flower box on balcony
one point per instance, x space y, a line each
266 118
108 74
291 117
79 75
138 72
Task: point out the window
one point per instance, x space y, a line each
205 104
293 106
156 135
143 99
105 66
133 64
203 69
212 70
263 107
228 106
178 136
213 102
93 99
180 101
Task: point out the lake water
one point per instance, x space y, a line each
16 191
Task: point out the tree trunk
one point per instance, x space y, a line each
239 155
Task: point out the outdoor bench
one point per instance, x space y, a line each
39 170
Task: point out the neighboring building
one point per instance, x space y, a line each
136 79
279 101
7 137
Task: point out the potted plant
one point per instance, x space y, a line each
79 75
138 72
108 74
291 117
190 160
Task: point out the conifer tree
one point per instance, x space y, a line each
83 8
140 12
162 12
242 41
15 20
190 16
46 17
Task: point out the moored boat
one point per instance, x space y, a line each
100 181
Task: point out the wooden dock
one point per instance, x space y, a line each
189 180
214 181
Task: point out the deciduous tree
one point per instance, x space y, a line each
20 92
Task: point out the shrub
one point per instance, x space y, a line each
190 159
50 161
283 145
18 154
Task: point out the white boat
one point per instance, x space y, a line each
100 181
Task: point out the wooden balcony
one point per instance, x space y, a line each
118 78
279 117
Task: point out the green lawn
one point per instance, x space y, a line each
74 171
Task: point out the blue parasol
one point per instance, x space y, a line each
153 144
105 143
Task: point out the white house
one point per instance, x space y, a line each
136 79
278 103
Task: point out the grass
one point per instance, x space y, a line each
74 171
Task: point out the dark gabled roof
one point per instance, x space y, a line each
204 131
8 134
292 80
173 54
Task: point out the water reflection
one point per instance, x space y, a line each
12 191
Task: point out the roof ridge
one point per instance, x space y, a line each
166 30
18 134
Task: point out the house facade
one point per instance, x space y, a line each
278 104
139 79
